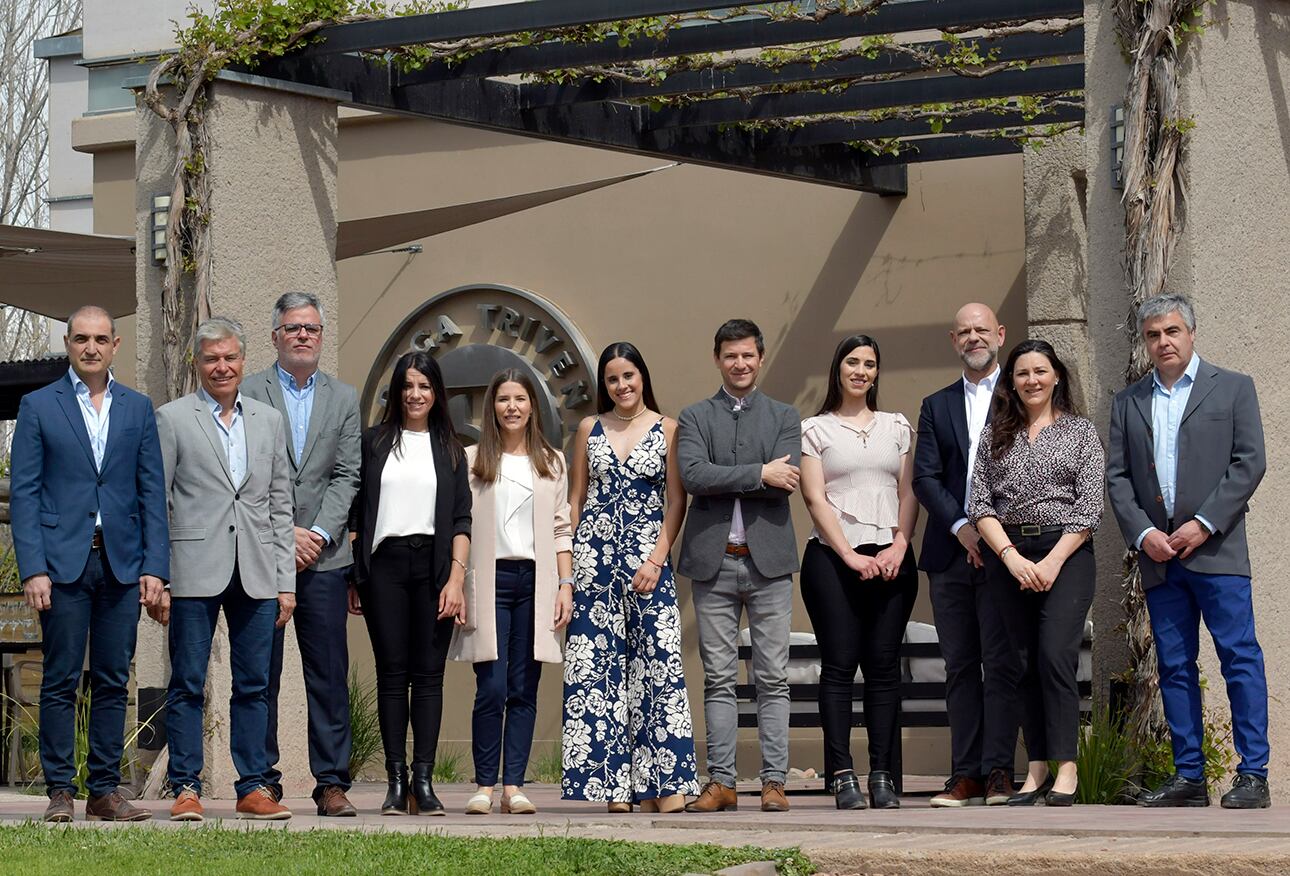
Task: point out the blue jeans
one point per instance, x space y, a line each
106 611
1177 606
250 639
508 684
320 619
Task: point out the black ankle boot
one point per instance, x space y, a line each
423 798
882 790
396 798
847 793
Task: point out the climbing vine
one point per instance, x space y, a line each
242 32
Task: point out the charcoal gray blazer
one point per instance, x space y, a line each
1220 463
721 454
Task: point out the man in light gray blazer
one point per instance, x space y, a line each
322 439
1186 456
738 453
228 487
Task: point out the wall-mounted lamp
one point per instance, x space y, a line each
1117 147
160 219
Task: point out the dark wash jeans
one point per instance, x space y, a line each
320 619
507 686
106 611
250 643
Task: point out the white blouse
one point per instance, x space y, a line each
408 488
514 497
861 472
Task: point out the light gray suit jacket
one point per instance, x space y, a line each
721 454
325 480
215 523
1220 463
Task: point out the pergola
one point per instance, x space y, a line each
812 121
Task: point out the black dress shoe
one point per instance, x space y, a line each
847 793
424 800
1056 798
882 791
1039 795
1248 792
1177 791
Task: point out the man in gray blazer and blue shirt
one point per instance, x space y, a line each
738 452
228 487
1186 456
322 439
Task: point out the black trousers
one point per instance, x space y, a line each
857 623
401 607
981 670
320 618
1045 630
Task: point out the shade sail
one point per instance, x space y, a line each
54 272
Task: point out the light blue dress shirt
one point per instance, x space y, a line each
96 421
1167 409
300 407
232 436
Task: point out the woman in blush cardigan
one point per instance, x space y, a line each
519 594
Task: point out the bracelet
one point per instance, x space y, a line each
1007 547
564 581
460 563
654 564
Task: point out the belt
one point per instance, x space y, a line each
737 550
96 543
1030 530
418 540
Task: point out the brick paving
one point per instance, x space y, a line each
914 840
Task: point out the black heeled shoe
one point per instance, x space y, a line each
882 791
424 801
1057 798
847 793
1030 798
396 796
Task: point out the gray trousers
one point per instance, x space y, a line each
718 604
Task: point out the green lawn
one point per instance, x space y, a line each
33 850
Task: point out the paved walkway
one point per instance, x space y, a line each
914 840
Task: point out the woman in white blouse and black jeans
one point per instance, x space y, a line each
1036 499
519 594
411 521
859 576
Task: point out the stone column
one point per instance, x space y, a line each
272 163
1232 261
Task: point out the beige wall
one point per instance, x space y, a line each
662 260
1232 260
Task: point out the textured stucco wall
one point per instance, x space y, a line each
272 161
1232 260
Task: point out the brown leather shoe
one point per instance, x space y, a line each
772 797
960 791
61 808
715 797
188 807
999 787
332 803
260 806
114 807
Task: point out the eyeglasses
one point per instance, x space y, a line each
312 329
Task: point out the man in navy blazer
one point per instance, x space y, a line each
1186 456
972 638
89 530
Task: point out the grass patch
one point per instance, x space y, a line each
449 765
547 765
34 850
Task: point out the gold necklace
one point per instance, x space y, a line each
628 419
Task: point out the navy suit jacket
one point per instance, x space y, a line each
56 490
940 474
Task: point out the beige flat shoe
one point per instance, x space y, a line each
618 808
518 804
480 804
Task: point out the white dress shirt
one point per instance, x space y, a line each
514 496
96 421
408 488
738 533
976 401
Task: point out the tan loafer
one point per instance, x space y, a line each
518 804
480 804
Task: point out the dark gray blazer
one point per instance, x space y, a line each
1220 463
721 454
325 480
